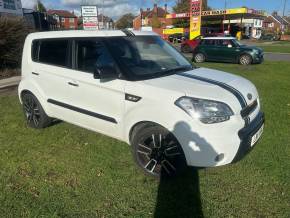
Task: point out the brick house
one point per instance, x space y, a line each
276 23
65 19
146 17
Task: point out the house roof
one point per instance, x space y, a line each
62 13
279 19
149 13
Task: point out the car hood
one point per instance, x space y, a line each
209 84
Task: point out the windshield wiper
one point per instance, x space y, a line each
176 69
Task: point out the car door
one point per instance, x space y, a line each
226 50
97 104
50 71
209 48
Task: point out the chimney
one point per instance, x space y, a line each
155 8
148 9
165 8
275 13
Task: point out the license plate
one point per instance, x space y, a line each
257 135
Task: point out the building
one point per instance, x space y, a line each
10 8
105 22
65 19
276 23
155 17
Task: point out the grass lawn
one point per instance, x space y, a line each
67 171
280 47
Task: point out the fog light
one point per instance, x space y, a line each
219 157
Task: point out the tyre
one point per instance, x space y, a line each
157 152
34 113
245 59
199 58
186 49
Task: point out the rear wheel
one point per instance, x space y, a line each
157 152
245 59
199 57
34 113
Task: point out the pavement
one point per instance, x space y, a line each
9 82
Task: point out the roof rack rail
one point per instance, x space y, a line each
128 32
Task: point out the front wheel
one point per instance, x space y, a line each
245 60
199 57
157 152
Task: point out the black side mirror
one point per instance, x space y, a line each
105 72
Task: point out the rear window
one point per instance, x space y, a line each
53 52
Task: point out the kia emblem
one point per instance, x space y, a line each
250 96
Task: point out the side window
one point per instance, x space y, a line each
92 54
54 52
209 42
224 43
35 50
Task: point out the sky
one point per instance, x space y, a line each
115 8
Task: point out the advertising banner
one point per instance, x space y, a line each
90 23
173 31
195 18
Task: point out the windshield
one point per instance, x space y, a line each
144 57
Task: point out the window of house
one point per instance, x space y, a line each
71 20
9 4
54 52
92 54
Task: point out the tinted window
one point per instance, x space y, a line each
92 54
209 42
53 52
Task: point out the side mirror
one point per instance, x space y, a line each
105 72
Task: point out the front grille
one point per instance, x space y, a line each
249 109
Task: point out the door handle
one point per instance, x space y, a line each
73 84
37 74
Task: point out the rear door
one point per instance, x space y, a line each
208 47
50 70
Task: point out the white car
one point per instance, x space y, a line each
135 87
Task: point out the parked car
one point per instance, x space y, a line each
187 46
176 37
135 87
227 49
270 37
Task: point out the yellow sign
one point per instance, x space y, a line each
195 18
227 11
173 31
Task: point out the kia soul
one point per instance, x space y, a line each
135 87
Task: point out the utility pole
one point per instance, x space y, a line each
284 7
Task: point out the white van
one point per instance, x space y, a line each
135 87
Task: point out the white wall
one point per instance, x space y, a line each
11 7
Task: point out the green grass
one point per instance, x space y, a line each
276 47
67 171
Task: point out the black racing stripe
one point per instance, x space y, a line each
225 86
83 111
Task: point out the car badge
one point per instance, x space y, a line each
250 96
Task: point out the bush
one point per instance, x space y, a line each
13 31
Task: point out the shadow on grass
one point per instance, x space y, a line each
179 197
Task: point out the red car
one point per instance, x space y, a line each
189 45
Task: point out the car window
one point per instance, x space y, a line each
224 43
92 54
35 50
54 52
209 42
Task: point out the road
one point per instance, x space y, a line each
268 56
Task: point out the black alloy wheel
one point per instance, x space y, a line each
158 152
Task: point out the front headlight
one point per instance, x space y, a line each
207 111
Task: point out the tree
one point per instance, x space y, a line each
40 7
155 21
126 21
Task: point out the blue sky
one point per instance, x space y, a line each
115 8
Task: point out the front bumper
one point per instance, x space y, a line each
246 135
257 59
